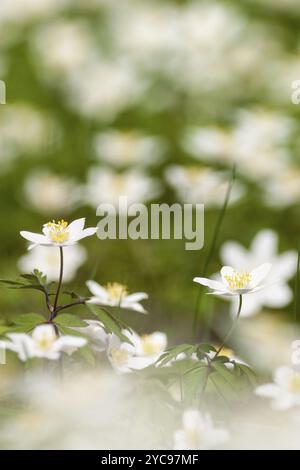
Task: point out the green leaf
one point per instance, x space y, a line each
110 323
250 374
29 319
87 355
172 353
71 332
66 319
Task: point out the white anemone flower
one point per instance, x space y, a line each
285 391
264 248
116 295
237 283
142 352
43 344
95 331
46 259
198 432
59 233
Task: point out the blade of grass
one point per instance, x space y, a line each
214 243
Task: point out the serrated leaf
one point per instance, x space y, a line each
223 371
29 319
250 374
66 319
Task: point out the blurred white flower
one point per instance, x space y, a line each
209 144
28 10
201 185
59 233
63 47
237 282
96 333
42 343
263 249
24 130
47 260
105 186
283 189
295 357
198 432
285 391
55 193
120 88
141 353
121 148
116 295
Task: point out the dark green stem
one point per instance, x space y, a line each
59 281
232 328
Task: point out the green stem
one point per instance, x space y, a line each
214 242
232 328
59 281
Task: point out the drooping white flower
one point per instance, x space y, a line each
106 186
201 185
285 391
96 333
237 283
59 233
263 249
55 193
122 148
143 351
47 260
116 295
198 432
43 343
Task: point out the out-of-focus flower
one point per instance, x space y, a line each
209 144
201 185
96 333
237 283
55 193
198 432
106 186
283 189
59 233
43 343
141 353
285 391
295 358
116 295
63 47
28 10
47 260
120 88
121 148
24 130
263 249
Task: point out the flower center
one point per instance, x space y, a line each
294 383
239 280
149 347
116 291
44 342
194 437
58 231
119 356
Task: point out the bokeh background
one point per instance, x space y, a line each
156 100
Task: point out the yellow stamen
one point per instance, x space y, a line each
149 347
239 280
294 383
116 291
119 356
58 231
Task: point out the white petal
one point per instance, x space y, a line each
87 232
69 344
133 306
277 296
227 271
267 390
97 290
233 254
282 375
210 283
259 274
285 265
76 227
137 297
139 363
265 244
36 238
